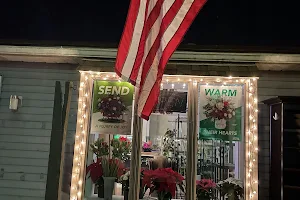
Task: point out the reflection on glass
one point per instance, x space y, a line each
163 150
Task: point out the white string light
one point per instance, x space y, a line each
84 109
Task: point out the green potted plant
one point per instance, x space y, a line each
112 169
231 189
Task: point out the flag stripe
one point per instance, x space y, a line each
152 4
153 17
153 34
153 30
127 35
146 104
132 50
168 19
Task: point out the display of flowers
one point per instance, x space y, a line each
231 188
163 181
121 148
219 108
112 107
147 146
205 189
100 148
112 167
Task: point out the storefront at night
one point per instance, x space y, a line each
210 125
207 121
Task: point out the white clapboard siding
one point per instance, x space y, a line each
25 135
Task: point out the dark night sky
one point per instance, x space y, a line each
220 22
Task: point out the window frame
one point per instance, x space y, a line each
250 129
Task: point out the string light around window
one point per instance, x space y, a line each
83 120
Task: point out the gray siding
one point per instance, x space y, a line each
25 135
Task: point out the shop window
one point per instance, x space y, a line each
165 136
224 129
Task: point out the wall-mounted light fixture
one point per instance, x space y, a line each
14 102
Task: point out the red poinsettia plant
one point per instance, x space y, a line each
205 189
163 181
96 171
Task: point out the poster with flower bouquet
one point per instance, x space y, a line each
112 107
220 111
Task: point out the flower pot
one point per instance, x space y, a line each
147 150
220 123
125 189
163 196
100 188
109 184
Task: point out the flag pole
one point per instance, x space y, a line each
192 142
135 162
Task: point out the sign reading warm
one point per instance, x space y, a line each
112 107
221 112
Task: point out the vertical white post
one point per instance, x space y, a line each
135 162
192 141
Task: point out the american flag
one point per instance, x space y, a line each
153 30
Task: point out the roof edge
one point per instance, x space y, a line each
110 53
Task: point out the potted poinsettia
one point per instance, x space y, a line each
163 181
100 149
96 173
205 189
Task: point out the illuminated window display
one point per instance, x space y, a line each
226 157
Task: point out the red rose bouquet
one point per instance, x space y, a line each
163 181
100 148
205 189
121 148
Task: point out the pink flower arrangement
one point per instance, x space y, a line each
147 147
